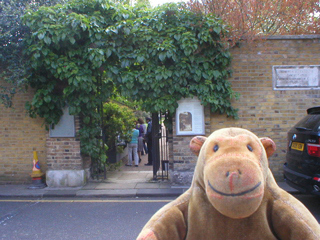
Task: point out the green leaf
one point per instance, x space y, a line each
217 29
83 26
126 31
125 16
72 40
162 56
47 40
108 52
140 59
36 55
47 99
216 74
177 37
41 35
86 120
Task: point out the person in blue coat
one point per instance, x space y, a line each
133 148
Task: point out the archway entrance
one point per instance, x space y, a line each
160 157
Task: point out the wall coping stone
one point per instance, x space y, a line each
292 37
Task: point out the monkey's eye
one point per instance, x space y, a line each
250 148
215 148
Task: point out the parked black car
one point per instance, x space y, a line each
302 167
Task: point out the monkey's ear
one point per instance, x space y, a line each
196 144
268 145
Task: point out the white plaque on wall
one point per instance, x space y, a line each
296 77
65 127
190 117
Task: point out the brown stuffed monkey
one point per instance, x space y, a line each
233 196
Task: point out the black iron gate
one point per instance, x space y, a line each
160 147
160 152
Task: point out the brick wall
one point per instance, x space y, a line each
63 153
183 160
20 136
262 110
67 167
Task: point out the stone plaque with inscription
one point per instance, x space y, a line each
296 77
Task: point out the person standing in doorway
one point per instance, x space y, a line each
133 148
148 138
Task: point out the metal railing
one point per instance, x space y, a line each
160 148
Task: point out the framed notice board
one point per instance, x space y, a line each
190 117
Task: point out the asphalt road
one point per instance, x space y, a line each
113 219
75 219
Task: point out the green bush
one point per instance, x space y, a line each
118 121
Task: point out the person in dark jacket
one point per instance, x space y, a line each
148 138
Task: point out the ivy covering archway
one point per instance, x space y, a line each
81 51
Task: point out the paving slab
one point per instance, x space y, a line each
171 192
147 185
20 191
91 185
60 193
107 193
116 186
133 176
165 185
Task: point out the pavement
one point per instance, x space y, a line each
122 184
119 184
126 182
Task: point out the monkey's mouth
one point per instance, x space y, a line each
234 194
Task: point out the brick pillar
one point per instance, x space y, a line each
184 161
66 166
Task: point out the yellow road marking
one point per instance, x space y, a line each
84 201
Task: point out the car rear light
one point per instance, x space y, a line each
314 150
316 179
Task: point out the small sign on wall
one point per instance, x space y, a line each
296 77
190 117
65 127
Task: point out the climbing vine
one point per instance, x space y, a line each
66 52
172 54
13 67
80 51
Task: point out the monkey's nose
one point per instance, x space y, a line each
233 176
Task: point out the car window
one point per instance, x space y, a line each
311 122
